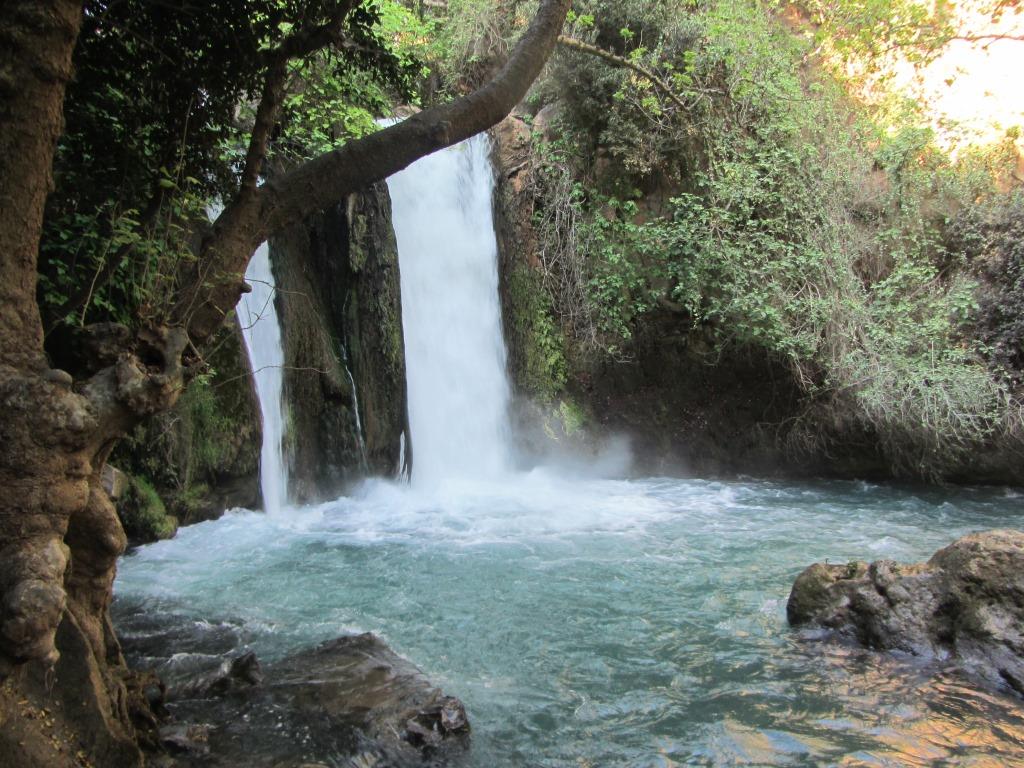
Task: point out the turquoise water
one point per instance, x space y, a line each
602 623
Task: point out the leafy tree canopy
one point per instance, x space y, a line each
157 119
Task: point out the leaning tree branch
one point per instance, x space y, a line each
299 43
263 126
325 180
319 183
620 61
988 39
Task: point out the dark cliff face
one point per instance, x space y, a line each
339 305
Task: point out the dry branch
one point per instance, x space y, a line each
620 61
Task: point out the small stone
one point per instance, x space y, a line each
186 738
453 716
114 481
59 377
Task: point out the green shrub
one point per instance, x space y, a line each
543 369
778 215
991 236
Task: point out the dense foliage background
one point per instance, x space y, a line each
768 205
744 187
157 122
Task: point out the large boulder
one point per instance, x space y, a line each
350 701
965 605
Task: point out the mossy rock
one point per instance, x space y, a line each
143 514
539 365
202 456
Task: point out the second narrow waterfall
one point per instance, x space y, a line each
262 332
451 314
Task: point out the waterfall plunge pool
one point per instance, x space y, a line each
595 623
584 623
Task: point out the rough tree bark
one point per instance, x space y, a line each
35 65
59 535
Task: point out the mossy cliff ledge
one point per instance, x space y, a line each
551 418
339 304
964 606
199 459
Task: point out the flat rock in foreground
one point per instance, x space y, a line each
349 702
965 605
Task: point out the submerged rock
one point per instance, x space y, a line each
233 674
189 739
965 605
351 701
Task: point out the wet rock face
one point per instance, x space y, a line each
233 674
361 682
351 701
339 303
965 605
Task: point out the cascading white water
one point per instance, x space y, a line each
358 422
262 332
455 354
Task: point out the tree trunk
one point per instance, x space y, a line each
41 471
59 536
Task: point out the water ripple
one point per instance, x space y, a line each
597 623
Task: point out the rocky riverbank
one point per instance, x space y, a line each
964 607
348 701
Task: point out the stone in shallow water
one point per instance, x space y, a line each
190 738
966 604
233 674
351 701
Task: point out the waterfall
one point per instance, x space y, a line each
451 315
358 425
262 333
402 468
